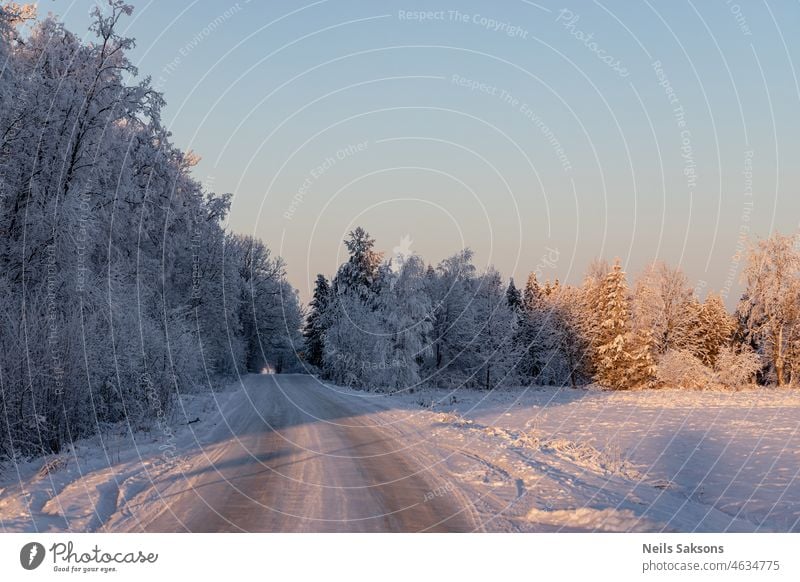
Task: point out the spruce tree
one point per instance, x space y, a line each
354 341
612 336
532 296
530 334
361 273
314 330
641 364
513 297
569 342
715 329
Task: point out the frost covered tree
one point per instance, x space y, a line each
771 304
513 297
394 328
550 339
492 352
662 303
269 313
532 296
407 322
359 275
714 331
688 337
592 293
567 360
451 290
315 326
76 140
736 368
612 328
642 360
532 337
389 327
354 341
623 358
531 329
118 285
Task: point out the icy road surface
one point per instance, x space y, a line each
290 453
295 455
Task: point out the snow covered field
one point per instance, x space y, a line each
541 459
651 460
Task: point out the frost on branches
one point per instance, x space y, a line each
118 285
401 327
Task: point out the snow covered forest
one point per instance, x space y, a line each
400 324
119 286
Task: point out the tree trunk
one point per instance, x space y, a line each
779 368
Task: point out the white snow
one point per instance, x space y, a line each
537 459
98 476
674 460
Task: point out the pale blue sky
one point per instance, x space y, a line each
265 92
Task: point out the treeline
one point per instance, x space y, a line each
399 324
119 287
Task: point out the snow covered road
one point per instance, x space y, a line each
291 453
295 455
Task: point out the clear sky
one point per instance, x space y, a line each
539 134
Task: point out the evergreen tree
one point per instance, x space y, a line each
533 335
641 365
521 334
714 330
513 297
532 296
591 296
354 342
612 338
570 347
316 323
359 275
